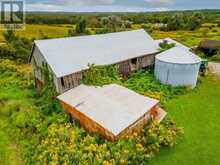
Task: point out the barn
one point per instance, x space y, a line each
112 111
67 58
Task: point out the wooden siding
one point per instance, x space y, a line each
137 126
124 68
146 61
65 83
87 123
93 127
71 81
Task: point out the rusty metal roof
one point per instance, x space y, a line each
113 107
210 44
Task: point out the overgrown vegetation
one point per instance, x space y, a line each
165 45
47 135
16 48
101 75
142 82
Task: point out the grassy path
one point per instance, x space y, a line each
199 113
8 151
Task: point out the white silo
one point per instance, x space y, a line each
177 67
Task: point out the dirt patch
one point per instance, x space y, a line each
214 68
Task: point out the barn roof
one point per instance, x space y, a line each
170 40
73 54
210 44
113 107
178 55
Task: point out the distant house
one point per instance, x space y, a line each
209 47
67 58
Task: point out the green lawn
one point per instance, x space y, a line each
199 113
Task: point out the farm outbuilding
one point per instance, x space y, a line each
209 47
67 58
112 111
177 67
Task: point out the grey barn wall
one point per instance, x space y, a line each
37 60
68 82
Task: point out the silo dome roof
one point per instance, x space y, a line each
178 55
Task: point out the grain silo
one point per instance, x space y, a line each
177 67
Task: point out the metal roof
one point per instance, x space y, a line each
73 54
178 55
113 107
169 40
210 44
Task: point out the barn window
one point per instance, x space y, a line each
62 82
134 61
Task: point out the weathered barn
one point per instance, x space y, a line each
67 58
112 110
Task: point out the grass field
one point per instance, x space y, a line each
198 112
189 38
35 31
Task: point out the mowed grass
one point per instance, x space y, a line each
199 114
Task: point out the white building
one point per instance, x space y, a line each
177 67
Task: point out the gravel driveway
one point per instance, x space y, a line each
214 67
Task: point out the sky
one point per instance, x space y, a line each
119 5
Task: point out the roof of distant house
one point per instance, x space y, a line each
73 54
210 44
113 107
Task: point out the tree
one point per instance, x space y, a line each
175 23
9 35
81 26
195 21
16 47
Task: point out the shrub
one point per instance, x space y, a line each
215 30
66 143
165 45
100 75
145 83
9 108
26 118
216 57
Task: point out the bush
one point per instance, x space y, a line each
165 45
215 58
145 83
100 75
9 108
66 143
25 118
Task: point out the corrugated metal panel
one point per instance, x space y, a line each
73 54
177 67
178 55
113 107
